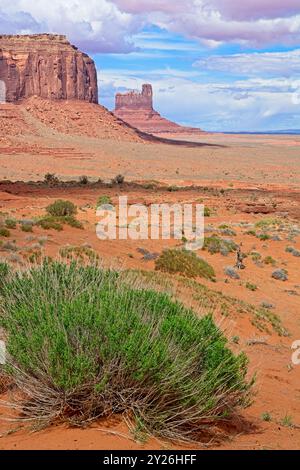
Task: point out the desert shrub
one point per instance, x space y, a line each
269 260
251 232
84 343
72 221
78 253
215 244
51 179
83 180
255 256
102 200
26 228
173 188
207 211
251 286
50 223
184 262
263 236
268 223
4 232
10 223
119 179
61 208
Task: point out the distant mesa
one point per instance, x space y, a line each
47 66
136 109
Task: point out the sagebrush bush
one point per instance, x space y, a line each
215 244
84 343
184 262
61 208
4 232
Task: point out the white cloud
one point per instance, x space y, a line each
268 63
241 105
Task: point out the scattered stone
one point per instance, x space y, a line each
231 272
280 275
267 305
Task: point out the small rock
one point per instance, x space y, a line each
280 275
231 272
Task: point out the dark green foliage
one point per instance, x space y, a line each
85 343
184 262
4 232
61 208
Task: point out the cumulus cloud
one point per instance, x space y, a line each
252 104
108 25
96 26
268 63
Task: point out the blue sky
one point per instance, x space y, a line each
221 65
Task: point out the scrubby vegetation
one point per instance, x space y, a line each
104 199
84 343
60 213
61 208
4 232
215 244
184 262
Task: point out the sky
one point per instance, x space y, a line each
222 65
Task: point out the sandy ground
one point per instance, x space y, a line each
73 140
259 177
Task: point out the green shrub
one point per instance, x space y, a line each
104 200
215 244
61 208
263 236
85 343
269 261
26 228
207 211
184 262
10 223
4 232
250 286
50 223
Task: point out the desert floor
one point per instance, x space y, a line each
243 180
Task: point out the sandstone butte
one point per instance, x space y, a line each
47 66
137 110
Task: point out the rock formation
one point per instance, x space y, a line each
137 110
47 66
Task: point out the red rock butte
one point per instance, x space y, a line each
136 109
48 66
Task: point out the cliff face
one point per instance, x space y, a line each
47 66
137 110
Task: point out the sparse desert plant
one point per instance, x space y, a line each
251 286
79 253
266 417
215 244
51 179
10 224
184 262
287 421
255 256
173 188
85 343
103 200
83 180
251 232
207 211
119 179
263 237
50 223
27 228
61 208
269 261
4 232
